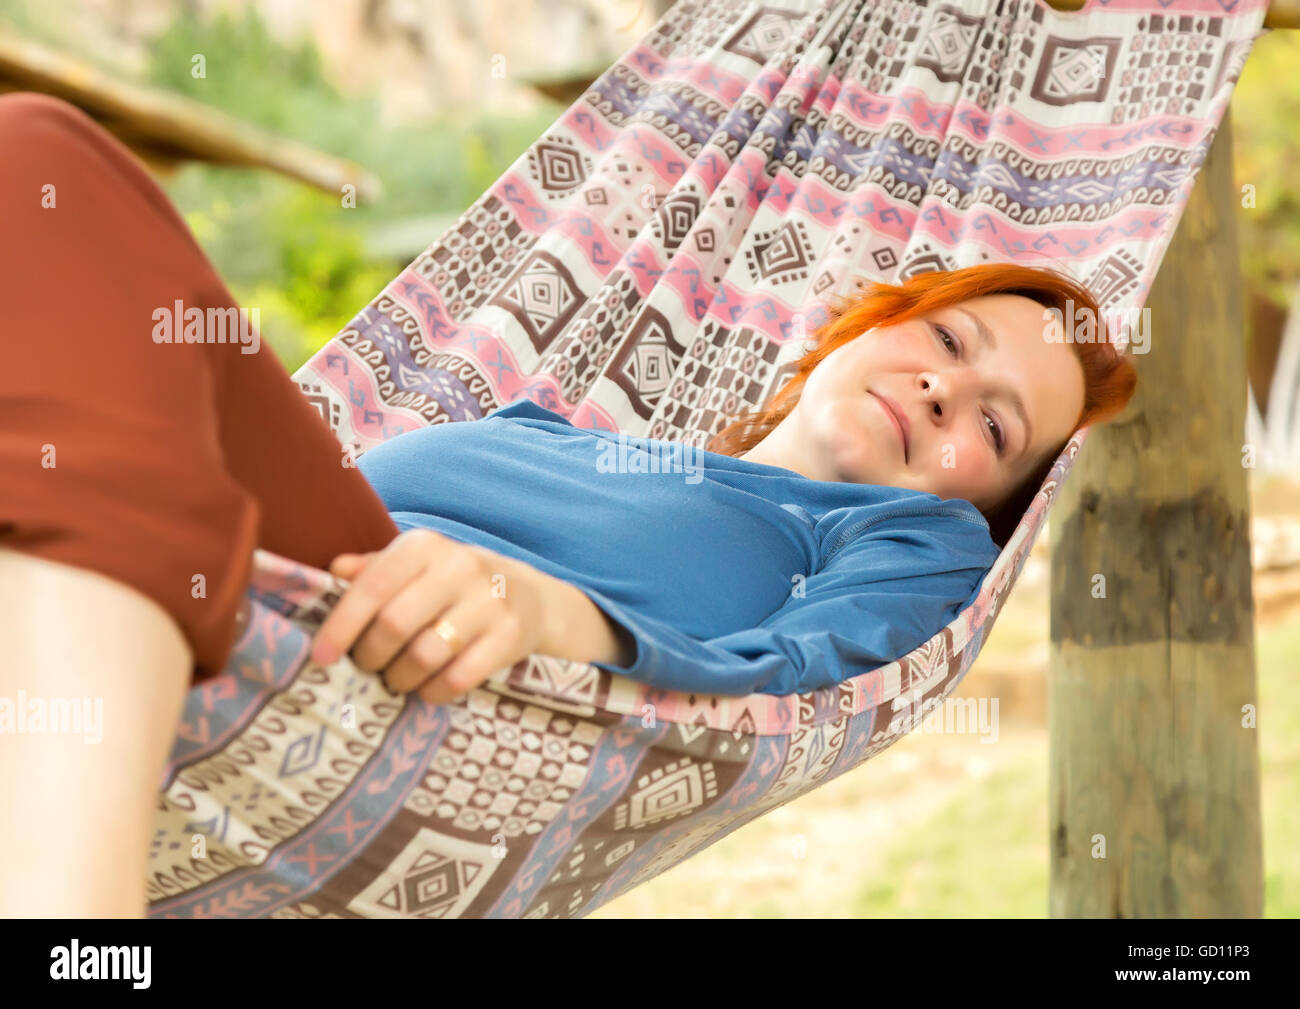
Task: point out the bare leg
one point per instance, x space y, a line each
78 813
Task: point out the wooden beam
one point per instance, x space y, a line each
161 126
1280 14
1152 684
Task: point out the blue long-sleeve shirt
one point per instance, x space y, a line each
731 577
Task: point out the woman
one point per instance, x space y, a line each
835 530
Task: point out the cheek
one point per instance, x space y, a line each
814 388
831 395
843 424
814 391
962 461
833 376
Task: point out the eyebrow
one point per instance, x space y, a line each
991 343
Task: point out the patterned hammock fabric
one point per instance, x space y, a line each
653 264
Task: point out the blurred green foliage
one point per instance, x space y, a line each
1266 152
293 252
296 253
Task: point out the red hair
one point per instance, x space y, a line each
1109 377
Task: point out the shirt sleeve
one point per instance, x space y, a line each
878 598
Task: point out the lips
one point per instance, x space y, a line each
895 413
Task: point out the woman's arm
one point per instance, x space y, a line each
497 610
582 631
875 600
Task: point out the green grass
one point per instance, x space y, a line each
1277 658
985 853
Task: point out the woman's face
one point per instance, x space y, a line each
964 435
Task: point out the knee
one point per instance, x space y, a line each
30 117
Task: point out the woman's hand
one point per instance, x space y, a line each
496 610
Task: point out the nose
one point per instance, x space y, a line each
939 390
931 393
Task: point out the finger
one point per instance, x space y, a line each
422 657
347 565
498 649
394 566
400 619
427 652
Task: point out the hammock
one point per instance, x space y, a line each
653 264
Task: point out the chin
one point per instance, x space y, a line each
854 469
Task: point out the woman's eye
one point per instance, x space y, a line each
999 439
948 340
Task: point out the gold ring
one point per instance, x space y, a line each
446 630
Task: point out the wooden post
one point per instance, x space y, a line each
1151 690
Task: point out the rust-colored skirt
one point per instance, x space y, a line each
124 449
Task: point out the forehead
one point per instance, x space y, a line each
1014 316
